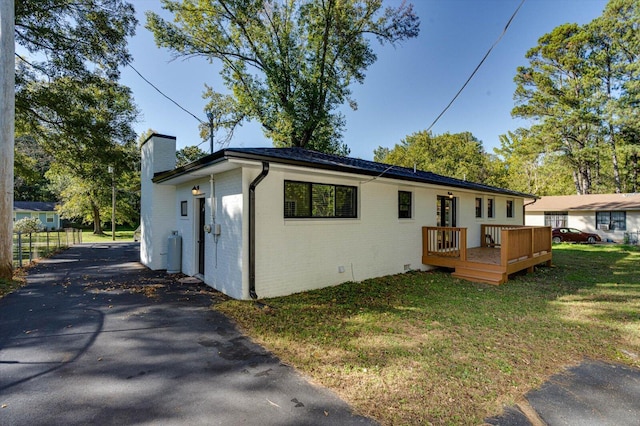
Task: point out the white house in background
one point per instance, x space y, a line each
42 210
608 215
267 222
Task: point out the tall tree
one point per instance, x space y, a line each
616 57
55 38
458 155
289 64
529 168
582 89
87 136
557 91
31 163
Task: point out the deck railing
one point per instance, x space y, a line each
524 243
516 243
445 241
492 234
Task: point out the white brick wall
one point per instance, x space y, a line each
157 215
295 255
298 255
223 270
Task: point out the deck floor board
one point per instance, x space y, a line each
490 255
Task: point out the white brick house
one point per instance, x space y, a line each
314 220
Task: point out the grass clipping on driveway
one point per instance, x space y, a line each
424 347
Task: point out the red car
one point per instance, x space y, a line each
573 235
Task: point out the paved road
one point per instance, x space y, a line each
593 393
95 338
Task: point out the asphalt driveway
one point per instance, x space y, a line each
96 338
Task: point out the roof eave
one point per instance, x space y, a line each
230 153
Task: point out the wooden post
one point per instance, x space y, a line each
463 244
504 247
7 115
532 243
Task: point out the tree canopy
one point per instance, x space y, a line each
72 38
68 101
86 137
288 65
188 154
458 155
581 89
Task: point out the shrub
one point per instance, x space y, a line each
27 225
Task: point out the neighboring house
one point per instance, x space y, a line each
45 211
608 215
266 222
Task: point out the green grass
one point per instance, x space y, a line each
121 235
428 348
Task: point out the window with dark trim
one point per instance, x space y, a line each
509 208
404 204
490 212
614 220
556 219
319 200
183 208
478 207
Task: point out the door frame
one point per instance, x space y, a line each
441 210
200 246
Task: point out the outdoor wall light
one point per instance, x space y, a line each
195 190
450 194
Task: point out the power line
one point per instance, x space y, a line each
160 91
478 67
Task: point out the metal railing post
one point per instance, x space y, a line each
20 249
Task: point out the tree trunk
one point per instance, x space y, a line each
97 228
634 175
614 159
7 116
576 182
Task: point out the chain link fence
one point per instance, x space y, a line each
29 246
632 237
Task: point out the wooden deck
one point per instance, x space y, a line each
504 251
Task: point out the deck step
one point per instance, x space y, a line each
480 275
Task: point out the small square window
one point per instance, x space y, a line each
183 208
404 204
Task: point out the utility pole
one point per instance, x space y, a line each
210 117
7 117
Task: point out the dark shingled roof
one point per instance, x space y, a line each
317 160
35 206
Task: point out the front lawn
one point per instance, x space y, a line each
423 347
122 235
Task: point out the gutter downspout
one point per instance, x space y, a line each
252 229
524 210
